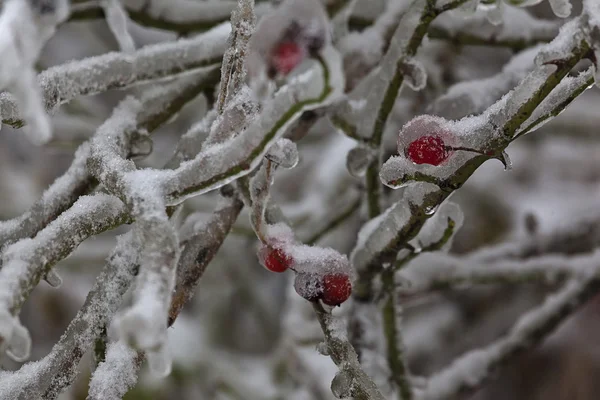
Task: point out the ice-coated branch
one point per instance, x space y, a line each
384 236
351 380
199 249
519 29
56 199
98 74
27 261
184 16
24 29
380 88
471 370
434 271
116 18
235 158
49 376
77 181
436 235
233 72
119 372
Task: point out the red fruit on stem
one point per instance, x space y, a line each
286 56
336 289
427 150
277 261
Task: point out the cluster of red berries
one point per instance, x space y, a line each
429 149
331 288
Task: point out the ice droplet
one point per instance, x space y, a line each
19 345
322 349
341 386
357 161
160 361
561 8
414 74
284 153
53 279
505 160
494 12
430 210
141 145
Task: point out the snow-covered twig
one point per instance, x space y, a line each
380 88
471 370
77 181
434 271
49 376
116 375
233 72
184 16
518 30
200 249
27 261
116 18
351 380
24 29
98 74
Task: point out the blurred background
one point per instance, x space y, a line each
246 334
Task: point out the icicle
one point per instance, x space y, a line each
414 74
357 161
53 279
19 345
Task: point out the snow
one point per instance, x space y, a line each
63 83
116 375
474 96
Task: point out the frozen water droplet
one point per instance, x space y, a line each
160 361
19 345
505 160
322 349
284 153
494 12
141 145
414 74
341 386
469 7
357 161
53 279
430 210
561 8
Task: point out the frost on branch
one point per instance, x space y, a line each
518 28
25 26
65 82
116 375
591 22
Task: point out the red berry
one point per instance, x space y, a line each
277 261
427 150
286 56
336 289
